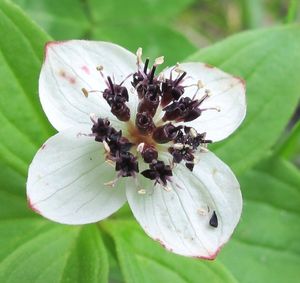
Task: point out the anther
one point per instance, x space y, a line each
158 61
106 147
99 68
85 92
192 132
139 54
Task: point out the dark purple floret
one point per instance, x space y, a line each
165 133
149 104
121 111
116 96
184 110
172 90
102 129
118 144
158 171
149 153
127 164
144 123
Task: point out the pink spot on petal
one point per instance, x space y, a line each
67 77
31 206
85 69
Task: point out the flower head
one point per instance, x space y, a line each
129 133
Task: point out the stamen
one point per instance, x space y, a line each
192 132
203 149
140 147
212 108
146 66
100 70
106 147
178 146
205 96
93 118
111 85
180 78
126 78
86 92
112 183
152 74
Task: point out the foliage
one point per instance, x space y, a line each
265 247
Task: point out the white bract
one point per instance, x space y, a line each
182 195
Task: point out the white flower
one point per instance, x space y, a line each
181 194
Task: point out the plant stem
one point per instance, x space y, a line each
292 11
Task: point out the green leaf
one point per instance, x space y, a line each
137 11
122 22
266 246
39 251
23 123
33 249
143 260
156 40
271 70
142 23
62 19
290 147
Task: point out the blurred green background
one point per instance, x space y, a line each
258 40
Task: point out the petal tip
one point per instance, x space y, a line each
210 257
49 45
32 207
206 65
241 81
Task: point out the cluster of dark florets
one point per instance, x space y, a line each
118 147
185 146
153 92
